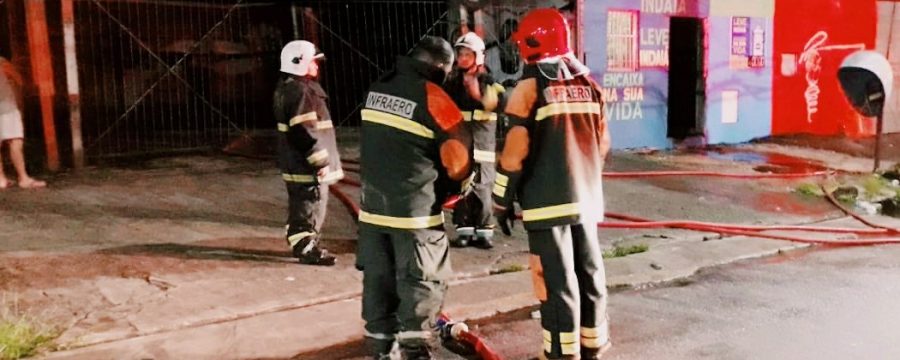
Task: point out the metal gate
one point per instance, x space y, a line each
163 76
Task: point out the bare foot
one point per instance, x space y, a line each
30 183
5 183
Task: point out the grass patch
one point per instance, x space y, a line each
875 185
621 251
22 336
810 189
511 268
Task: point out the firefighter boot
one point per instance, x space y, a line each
309 253
464 236
417 353
383 349
484 238
595 354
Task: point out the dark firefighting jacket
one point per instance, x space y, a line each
405 120
306 141
481 124
561 177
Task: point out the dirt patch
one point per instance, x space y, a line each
140 261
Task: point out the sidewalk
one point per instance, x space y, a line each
184 257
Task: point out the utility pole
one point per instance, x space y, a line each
42 74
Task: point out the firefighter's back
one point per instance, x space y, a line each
399 162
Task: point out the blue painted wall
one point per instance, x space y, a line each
633 123
754 86
641 121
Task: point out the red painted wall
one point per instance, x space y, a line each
812 38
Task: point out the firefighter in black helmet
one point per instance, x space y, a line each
414 154
307 150
552 163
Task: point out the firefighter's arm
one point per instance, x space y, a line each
515 151
605 140
303 134
518 108
472 85
455 140
493 93
603 128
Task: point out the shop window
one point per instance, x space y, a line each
622 44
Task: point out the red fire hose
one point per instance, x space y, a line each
460 332
349 204
620 175
725 229
756 232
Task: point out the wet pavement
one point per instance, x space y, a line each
837 303
181 244
764 162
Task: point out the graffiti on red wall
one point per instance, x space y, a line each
811 61
807 97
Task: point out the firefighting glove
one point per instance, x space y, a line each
506 218
506 185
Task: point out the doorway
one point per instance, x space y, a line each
687 78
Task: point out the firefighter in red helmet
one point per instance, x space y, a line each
552 164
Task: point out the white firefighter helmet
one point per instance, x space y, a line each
472 42
296 57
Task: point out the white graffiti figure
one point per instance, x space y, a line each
811 60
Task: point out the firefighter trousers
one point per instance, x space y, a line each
307 204
570 282
405 274
476 209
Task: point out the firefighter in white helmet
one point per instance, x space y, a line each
307 150
478 96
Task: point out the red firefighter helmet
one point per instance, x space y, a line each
542 33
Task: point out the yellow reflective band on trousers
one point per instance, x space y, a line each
485 156
593 343
500 184
499 190
421 222
479 115
283 127
396 122
311 179
294 239
590 338
502 180
548 341
567 108
567 341
550 212
299 119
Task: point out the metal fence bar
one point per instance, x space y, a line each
163 76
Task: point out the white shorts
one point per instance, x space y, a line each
11 126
